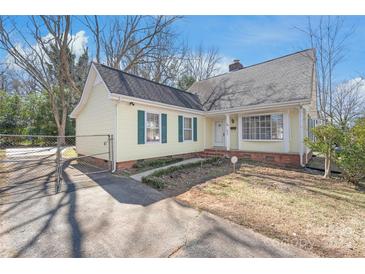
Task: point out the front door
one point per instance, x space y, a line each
219 133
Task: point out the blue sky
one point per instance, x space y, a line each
254 39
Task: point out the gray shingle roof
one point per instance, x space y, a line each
123 83
284 79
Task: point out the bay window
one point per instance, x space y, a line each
263 127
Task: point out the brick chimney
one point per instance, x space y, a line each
236 65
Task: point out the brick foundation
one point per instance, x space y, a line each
282 159
94 161
125 165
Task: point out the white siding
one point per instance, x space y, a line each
97 117
128 149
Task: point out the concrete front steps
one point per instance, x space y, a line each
211 152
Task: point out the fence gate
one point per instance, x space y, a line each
29 160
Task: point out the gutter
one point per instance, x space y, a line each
254 108
115 139
128 99
301 136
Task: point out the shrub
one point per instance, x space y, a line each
352 155
326 139
156 162
153 181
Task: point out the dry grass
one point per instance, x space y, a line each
326 217
69 153
181 180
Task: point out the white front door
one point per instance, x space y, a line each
219 133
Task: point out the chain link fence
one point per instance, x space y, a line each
41 158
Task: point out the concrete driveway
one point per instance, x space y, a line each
103 215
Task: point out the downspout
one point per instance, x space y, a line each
115 146
301 136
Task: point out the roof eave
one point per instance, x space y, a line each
86 92
125 98
260 107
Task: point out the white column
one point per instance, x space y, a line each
239 131
228 132
286 136
301 135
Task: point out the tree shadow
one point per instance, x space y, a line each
123 189
76 234
207 242
68 198
308 186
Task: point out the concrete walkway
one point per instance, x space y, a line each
138 177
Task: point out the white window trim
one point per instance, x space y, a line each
262 140
192 129
160 127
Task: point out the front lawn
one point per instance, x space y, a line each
324 216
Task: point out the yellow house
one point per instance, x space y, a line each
261 112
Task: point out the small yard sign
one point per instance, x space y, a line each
234 160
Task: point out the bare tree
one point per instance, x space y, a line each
348 102
146 46
202 64
4 67
329 39
94 26
46 59
166 65
128 40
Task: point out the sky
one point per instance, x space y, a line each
251 39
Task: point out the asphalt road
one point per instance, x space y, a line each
102 215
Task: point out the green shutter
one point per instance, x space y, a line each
164 127
195 129
141 127
180 125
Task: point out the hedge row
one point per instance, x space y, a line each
155 181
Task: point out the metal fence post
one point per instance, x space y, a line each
58 163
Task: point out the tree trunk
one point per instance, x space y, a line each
61 130
327 167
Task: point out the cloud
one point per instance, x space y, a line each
78 43
222 66
357 83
